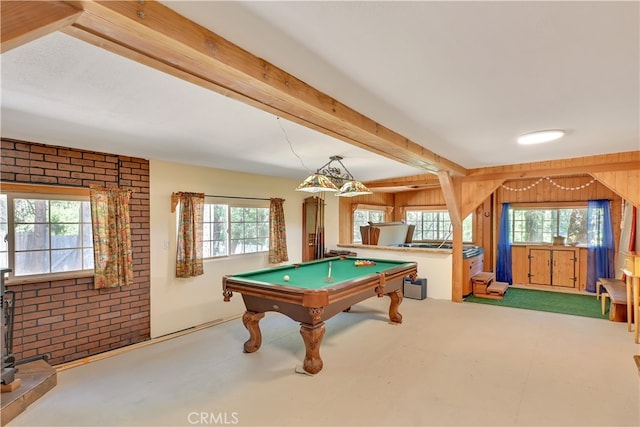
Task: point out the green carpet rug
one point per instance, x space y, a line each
555 302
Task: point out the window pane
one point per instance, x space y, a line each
237 214
4 232
237 230
215 230
263 215
65 211
66 260
263 230
33 262
436 226
219 248
31 211
87 258
206 231
31 236
250 230
219 231
51 236
245 232
87 236
541 225
206 250
65 236
237 246
86 212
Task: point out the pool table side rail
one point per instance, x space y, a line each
319 297
318 261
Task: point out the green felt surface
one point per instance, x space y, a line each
312 275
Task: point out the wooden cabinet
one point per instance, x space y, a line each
312 228
553 266
471 267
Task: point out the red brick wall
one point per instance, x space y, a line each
69 319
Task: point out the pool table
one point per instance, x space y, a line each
304 293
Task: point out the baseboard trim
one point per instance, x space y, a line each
89 359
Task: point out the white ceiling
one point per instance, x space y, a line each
462 79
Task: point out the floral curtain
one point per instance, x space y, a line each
277 233
190 226
113 264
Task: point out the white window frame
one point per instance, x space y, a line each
548 236
230 204
445 235
19 191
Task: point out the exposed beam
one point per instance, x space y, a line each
25 21
617 162
474 193
457 265
625 184
451 197
417 181
167 39
562 167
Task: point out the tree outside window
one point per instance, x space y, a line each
48 235
435 225
541 225
233 230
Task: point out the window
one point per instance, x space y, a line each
540 225
234 230
362 217
44 234
4 232
435 225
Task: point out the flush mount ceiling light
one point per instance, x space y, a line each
538 137
329 177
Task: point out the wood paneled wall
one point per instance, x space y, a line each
546 192
427 197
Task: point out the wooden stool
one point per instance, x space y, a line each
484 286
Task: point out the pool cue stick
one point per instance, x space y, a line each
316 254
329 278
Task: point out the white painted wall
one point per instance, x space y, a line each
178 304
435 266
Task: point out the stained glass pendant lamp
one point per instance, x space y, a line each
330 177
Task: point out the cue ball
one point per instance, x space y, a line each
286 278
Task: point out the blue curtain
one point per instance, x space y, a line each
503 264
601 248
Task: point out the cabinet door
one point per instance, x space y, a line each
539 266
563 270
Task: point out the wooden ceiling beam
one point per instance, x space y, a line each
615 162
25 21
168 40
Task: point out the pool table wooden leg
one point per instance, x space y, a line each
250 320
396 299
312 336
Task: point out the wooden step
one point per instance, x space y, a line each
34 380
